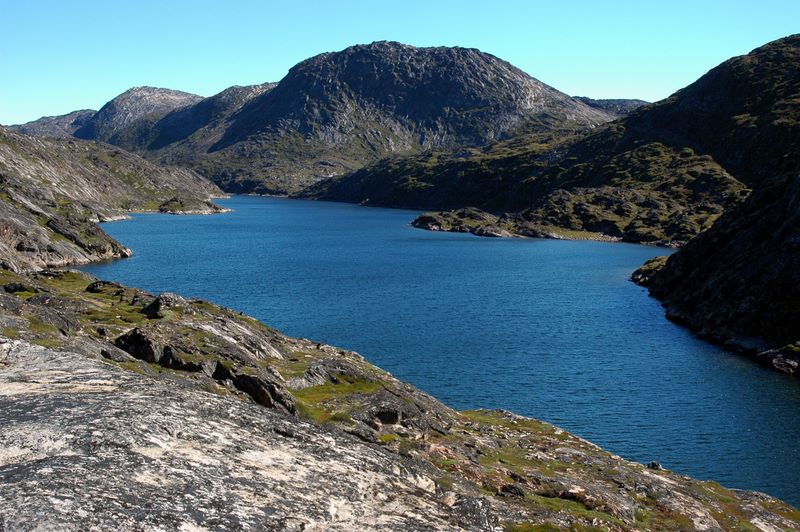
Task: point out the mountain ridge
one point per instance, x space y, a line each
57 126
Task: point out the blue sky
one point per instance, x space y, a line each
57 56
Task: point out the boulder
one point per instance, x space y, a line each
164 302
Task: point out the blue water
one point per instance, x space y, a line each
545 328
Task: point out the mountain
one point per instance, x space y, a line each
337 112
62 126
131 112
111 397
662 174
618 107
53 190
739 282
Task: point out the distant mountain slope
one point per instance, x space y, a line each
130 109
662 174
51 192
619 107
203 122
740 280
61 126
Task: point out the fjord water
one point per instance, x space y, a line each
549 329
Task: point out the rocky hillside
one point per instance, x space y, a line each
739 282
62 126
109 396
662 174
132 111
53 190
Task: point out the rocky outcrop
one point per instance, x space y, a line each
466 220
129 396
739 282
189 205
91 445
53 191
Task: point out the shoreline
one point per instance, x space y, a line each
390 441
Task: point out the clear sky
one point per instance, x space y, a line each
60 55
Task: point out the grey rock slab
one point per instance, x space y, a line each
87 445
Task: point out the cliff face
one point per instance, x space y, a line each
52 191
110 397
662 174
739 282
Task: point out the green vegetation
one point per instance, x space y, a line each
530 527
344 386
572 508
11 332
50 343
324 403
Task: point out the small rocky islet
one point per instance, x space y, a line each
113 397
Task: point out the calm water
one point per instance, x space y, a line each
548 329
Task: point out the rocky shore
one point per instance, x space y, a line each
113 398
738 284
481 223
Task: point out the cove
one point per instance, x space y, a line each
549 329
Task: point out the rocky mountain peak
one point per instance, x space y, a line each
423 84
337 111
131 106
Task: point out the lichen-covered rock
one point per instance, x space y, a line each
89 445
